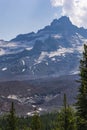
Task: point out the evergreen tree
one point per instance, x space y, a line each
66 117
65 113
82 95
11 119
36 122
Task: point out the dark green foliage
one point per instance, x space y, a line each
66 117
67 120
82 96
65 114
50 121
36 122
11 119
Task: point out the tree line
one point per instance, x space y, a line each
68 118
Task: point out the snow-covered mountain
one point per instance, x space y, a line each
53 51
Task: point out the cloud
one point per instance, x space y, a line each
75 9
57 3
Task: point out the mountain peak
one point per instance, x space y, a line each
64 20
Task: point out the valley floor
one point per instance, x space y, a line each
44 94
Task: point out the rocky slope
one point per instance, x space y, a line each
51 52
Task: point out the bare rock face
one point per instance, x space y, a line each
51 52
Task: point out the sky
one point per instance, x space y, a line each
24 16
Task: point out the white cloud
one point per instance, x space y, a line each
57 3
75 9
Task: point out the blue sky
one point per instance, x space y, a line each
24 16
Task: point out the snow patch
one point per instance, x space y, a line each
40 109
11 44
23 62
29 48
80 49
30 114
46 63
53 59
60 52
4 69
2 52
20 99
23 70
74 72
34 106
57 36
12 97
42 56
36 111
